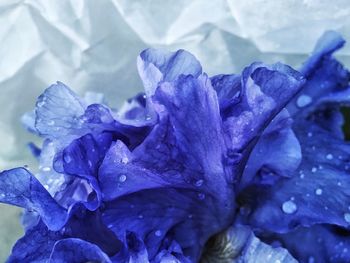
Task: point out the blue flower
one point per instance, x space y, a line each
229 167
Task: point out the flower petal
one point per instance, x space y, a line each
156 65
327 79
277 153
57 111
265 91
317 193
35 246
75 250
18 187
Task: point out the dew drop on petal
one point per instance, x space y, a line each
309 134
2 195
314 169
347 217
329 156
289 207
122 178
318 191
158 233
125 160
303 100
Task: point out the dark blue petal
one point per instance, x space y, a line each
317 193
203 153
74 250
277 153
327 80
265 91
82 158
156 214
35 246
179 176
228 89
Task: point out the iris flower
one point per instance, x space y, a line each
250 167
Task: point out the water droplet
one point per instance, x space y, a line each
201 196
140 216
329 156
148 118
199 183
190 216
67 158
2 195
301 173
347 217
46 169
89 163
339 183
303 100
51 122
40 103
125 160
158 233
311 260
309 134
318 191
289 207
122 178
314 169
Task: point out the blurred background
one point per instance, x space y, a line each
92 45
